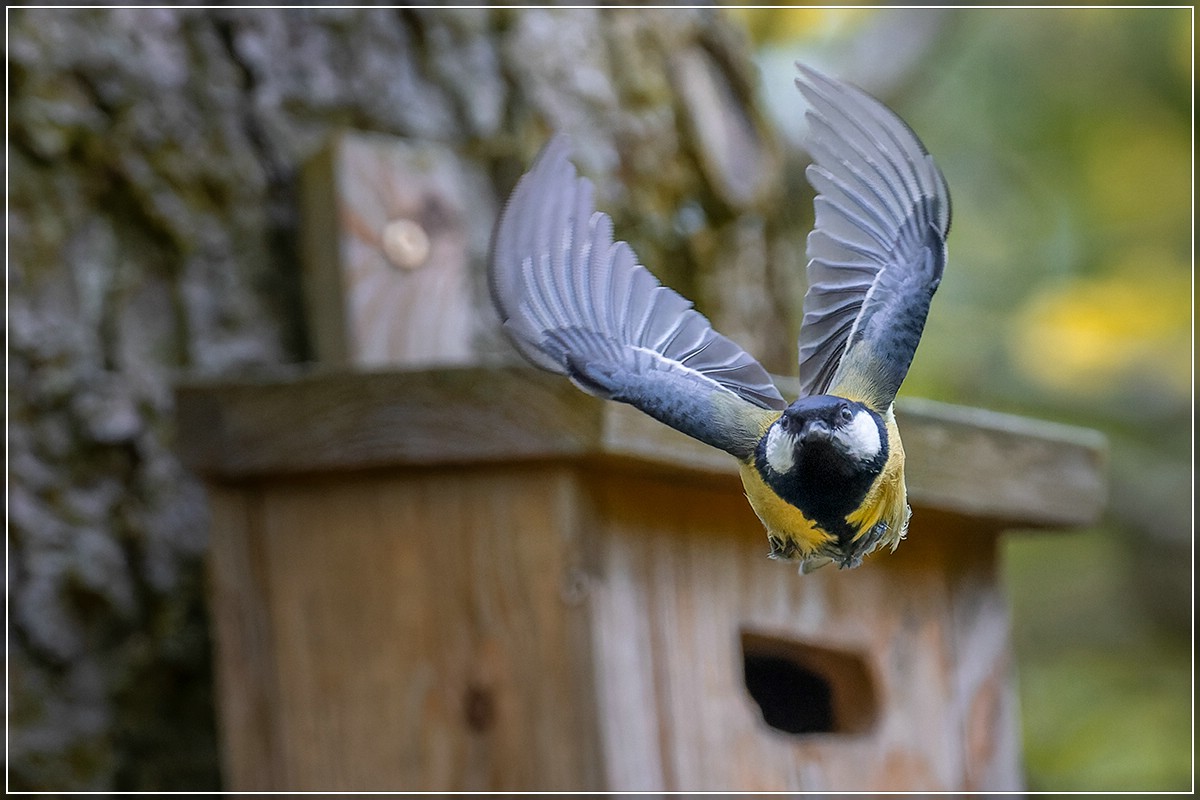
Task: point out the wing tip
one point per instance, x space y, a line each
557 149
811 81
552 165
809 74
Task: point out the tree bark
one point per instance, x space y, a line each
154 231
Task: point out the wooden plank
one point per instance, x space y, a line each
330 420
1000 466
982 697
476 628
245 659
387 251
681 574
433 638
1014 471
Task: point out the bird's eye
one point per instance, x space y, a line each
846 414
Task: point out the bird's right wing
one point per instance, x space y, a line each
576 303
878 249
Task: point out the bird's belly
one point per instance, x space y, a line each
782 520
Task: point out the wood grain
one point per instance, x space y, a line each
426 639
482 579
1014 471
367 308
682 573
246 663
1000 466
550 627
330 420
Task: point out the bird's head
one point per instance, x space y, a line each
828 433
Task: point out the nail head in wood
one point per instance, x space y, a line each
394 251
405 244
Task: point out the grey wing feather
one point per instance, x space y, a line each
877 251
577 303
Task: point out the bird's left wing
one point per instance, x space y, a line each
878 248
576 303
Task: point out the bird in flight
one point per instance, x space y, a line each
825 474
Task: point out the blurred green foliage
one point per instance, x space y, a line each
1066 138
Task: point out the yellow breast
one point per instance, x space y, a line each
886 501
781 519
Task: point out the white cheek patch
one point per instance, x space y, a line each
860 437
781 450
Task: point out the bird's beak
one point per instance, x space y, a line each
815 430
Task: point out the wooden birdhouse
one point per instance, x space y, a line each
478 578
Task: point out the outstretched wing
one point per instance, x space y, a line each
878 248
576 303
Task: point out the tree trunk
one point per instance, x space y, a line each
154 230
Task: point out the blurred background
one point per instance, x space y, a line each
154 157
1066 137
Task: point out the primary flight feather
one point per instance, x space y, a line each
826 473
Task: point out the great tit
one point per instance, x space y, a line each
825 475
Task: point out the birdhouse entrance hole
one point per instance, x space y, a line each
803 688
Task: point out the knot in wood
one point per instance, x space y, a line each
479 707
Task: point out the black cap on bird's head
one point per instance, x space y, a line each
813 419
848 426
